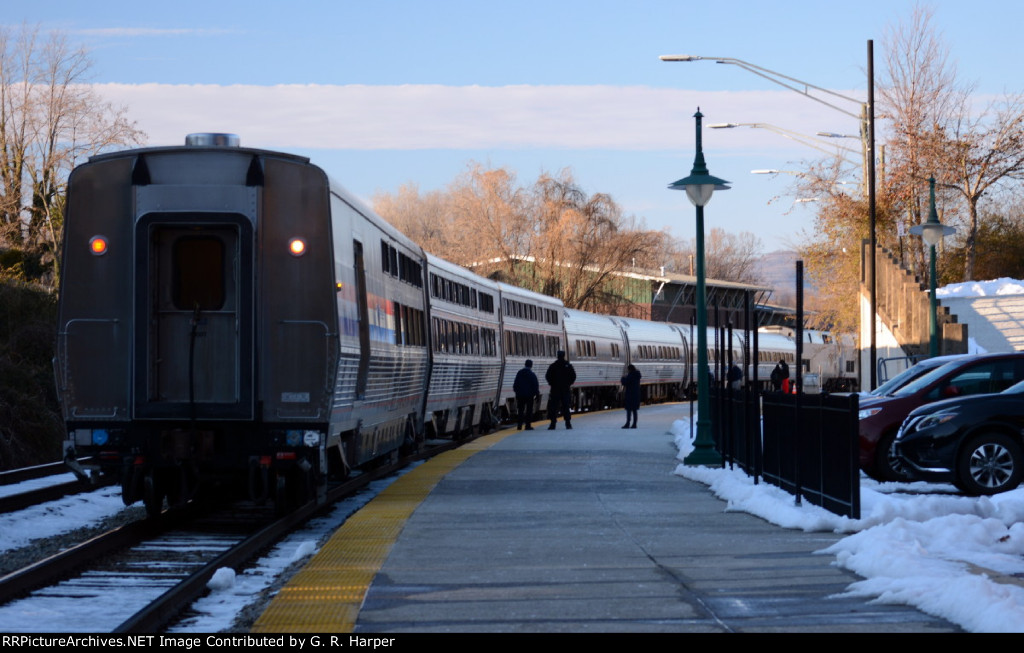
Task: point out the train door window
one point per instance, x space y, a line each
363 371
197 281
398 323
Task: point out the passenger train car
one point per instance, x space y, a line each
231 314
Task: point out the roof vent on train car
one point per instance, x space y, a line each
212 140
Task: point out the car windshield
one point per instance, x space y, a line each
903 378
1015 389
924 380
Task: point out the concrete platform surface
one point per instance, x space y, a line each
586 530
589 530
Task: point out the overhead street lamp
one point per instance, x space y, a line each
932 232
792 135
866 118
699 186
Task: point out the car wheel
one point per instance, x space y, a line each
989 464
887 466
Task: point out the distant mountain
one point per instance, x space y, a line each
777 270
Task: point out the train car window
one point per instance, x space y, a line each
398 323
198 275
385 258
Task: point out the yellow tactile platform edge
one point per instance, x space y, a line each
326 595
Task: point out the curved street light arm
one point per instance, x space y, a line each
792 135
777 78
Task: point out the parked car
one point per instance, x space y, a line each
919 368
973 442
881 417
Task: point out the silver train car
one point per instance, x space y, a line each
231 316
532 327
466 363
230 312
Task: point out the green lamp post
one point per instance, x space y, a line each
932 232
699 186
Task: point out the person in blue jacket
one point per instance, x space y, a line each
527 388
631 398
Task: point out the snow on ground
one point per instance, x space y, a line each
956 557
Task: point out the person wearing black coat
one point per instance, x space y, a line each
780 373
526 387
560 376
631 396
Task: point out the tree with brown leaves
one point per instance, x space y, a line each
50 120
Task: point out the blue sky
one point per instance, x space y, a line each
391 92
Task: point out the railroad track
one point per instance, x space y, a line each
144 574
43 491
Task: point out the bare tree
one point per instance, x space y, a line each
424 218
552 237
934 132
50 119
727 256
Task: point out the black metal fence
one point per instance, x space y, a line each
805 444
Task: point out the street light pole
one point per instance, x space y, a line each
866 118
932 232
699 186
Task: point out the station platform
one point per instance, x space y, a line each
572 531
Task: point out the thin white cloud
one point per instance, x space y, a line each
133 32
412 117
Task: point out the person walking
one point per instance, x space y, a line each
526 387
560 376
631 397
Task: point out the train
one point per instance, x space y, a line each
230 315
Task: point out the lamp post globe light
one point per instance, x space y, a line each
932 232
699 186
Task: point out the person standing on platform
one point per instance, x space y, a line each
780 373
560 376
735 377
631 397
526 387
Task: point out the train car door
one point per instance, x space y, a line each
363 373
194 313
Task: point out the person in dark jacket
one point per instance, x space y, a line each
527 387
780 373
734 377
560 376
631 397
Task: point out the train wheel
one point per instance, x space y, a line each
153 495
281 495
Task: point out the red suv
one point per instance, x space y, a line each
880 417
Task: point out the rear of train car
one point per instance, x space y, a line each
207 304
